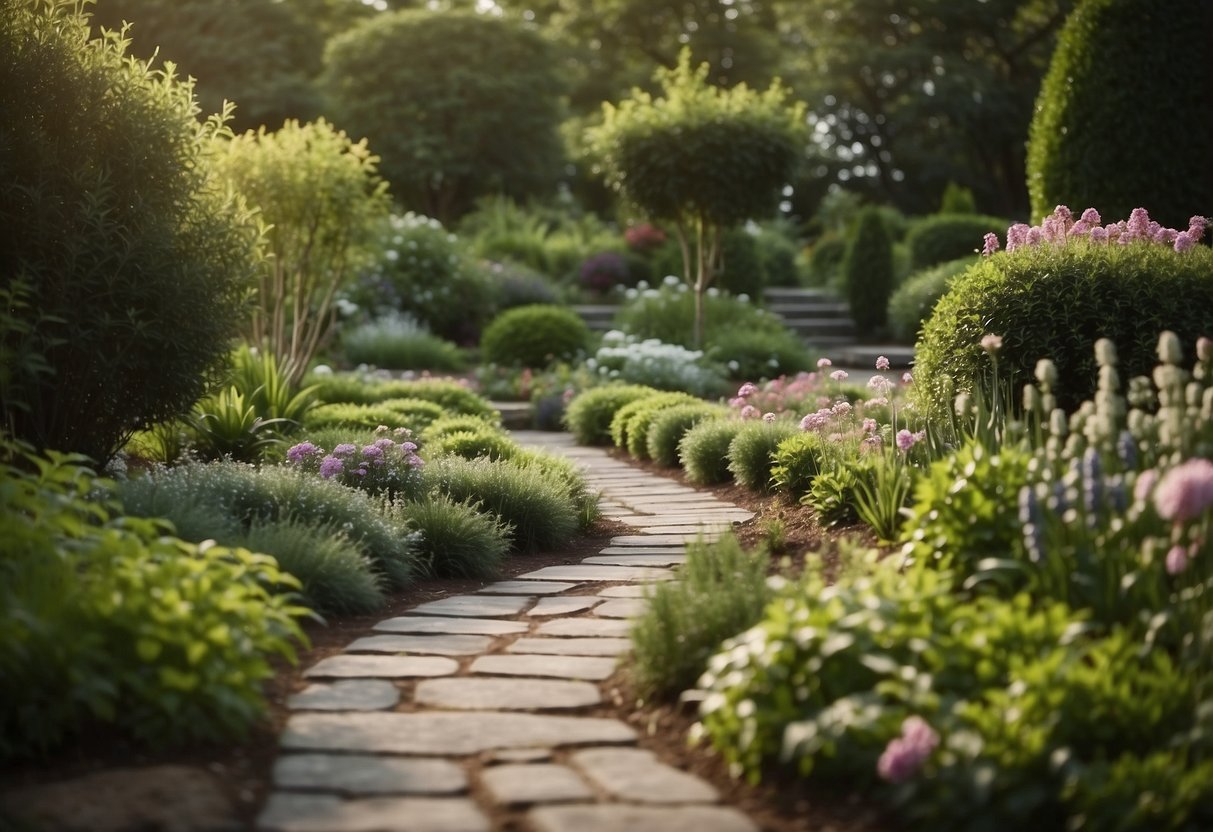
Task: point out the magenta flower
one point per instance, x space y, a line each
905 755
330 467
748 389
839 375
1177 560
882 363
1185 491
991 245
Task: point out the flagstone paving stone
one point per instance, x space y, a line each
454 626
381 667
476 606
520 755
638 560
527 588
443 645
676 549
649 539
572 646
623 818
546 607
454 733
622 608
346 695
365 774
636 775
706 526
484 693
513 785
323 813
561 667
581 572
628 591
584 627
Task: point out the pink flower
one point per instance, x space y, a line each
907 440
344 449
768 417
991 246
1184 241
841 408
737 402
839 375
905 755
408 447
880 384
1196 228
1091 217
906 378
1185 491
749 412
1144 485
815 421
297 453
1139 224
823 363
1098 235
1177 560
747 389
882 363
991 343
1017 235
372 452
330 466
879 401
869 425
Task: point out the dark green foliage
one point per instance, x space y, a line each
825 260
832 496
395 344
912 302
669 316
704 450
743 270
457 540
132 260
756 354
1125 112
957 199
1055 302
590 413
669 426
458 105
867 272
752 452
568 474
534 336
943 237
517 285
798 461
722 592
779 253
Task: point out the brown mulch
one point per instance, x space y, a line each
782 804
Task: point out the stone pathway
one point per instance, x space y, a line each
475 705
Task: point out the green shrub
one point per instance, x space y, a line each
627 358
751 355
704 450
516 285
832 495
1056 301
457 540
867 272
440 428
668 314
590 413
226 425
722 592
752 452
630 427
669 426
780 254
911 303
125 262
536 506
957 199
355 417
452 396
797 462
472 444
569 474
825 260
108 619
329 438
534 336
415 414
943 237
266 384
1122 113
398 343
244 494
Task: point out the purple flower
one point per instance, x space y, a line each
815 421
331 466
297 453
905 755
907 440
748 389
1177 560
1098 235
372 452
824 362
1138 227
839 375
361 472
882 363
991 245
1196 228
344 449
1091 217
749 412
408 447
1185 491
768 417
1017 236
385 443
869 425
841 408
1184 241
415 461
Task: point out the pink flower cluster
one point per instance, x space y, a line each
1060 228
905 755
1186 491
907 439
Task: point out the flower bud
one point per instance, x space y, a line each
1046 373
1105 352
1170 351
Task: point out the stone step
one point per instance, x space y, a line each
811 309
820 326
796 294
900 356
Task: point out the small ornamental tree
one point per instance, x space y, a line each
700 159
867 270
323 202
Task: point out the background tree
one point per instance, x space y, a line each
867 272
458 106
701 159
123 262
263 55
323 201
1126 112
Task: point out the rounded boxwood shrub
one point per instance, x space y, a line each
825 259
943 237
355 417
590 413
867 272
704 450
752 452
752 355
473 444
671 424
1123 116
534 336
440 428
125 261
912 302
629 428
1056 302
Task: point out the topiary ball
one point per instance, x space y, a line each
1055 301
534 336
943 237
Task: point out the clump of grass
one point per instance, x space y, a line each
670 425
704 450
399 343
455 423
472 444
722 592
752 452
457 540
589 414
570 474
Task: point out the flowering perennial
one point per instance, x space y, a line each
386 465
905 755
1060 228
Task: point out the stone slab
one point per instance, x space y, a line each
324 813
476 606
454 626
679 515
684 502
346 695
381 667
637 776
559 667
624 492
572 646
483 694
527 588
516 785
677 549
584 628
441 645
626 591
650 539
686 529
617 818
638 560
367 774
622 608
520 755
580 572
564 605
450 734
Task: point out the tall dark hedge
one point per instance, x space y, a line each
867 272
123 266
943 237
1125 113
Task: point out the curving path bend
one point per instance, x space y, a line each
477 712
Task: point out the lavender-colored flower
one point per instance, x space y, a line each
870 426
414 461
880 384
300 452
372 452
1138 227
991 245
1098 235
1035 236
1196 228
360 471
384 443
1184 241
879 401
839 375
1091 217
1177 560
815 421
330 467
822 363
408 447
1185 491
737 401
748 389
882 363
1017 235
907 439
1126 449
1029 506
344 449
905 755
841 409
749 412
1092 485
768 417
